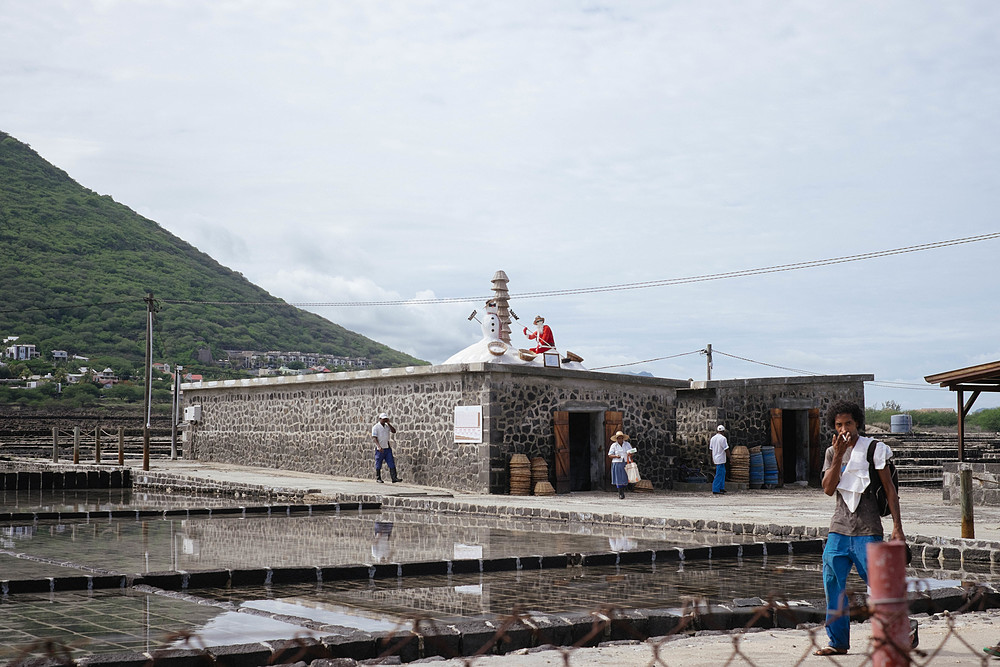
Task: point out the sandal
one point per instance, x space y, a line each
992 650
830 650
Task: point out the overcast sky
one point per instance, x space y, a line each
362 150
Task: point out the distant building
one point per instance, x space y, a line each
21 352
254 360
60 355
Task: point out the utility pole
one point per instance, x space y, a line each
149 379
175 412
708 357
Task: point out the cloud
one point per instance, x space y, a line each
359 150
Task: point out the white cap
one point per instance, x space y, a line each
385 416
721 428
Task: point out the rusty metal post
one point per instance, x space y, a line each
55 444
145 447
76 445
97 444
121 445
965 480
888 604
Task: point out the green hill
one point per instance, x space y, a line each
75 267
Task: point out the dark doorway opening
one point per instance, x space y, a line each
580 455
795 442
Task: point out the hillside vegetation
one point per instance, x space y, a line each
75 267
987 419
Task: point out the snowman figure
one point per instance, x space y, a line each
491 330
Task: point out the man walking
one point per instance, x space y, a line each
856 521
383 448
720 454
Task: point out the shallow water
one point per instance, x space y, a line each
103 500
301 540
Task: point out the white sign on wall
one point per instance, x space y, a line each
469 423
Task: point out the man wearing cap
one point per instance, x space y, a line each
543 335
720 454
383 448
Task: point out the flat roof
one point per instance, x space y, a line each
984 377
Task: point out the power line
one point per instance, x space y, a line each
669 282
646 361
761 363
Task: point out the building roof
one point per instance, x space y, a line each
984 377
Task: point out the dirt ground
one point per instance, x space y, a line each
956 639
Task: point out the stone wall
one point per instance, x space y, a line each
985 483
698 415
744 408
322 423
522 404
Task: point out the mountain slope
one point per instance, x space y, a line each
75 267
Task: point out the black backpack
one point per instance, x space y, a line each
875 484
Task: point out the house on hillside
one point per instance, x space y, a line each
60 355
106 377
21 352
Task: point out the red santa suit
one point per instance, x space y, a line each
544 337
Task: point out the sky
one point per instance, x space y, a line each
363 150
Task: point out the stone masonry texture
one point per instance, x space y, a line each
322 423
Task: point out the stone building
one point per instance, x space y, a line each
322 422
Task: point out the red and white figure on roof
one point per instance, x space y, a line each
542 335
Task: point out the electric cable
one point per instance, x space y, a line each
619 287
646 361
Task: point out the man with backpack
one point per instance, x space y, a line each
856 468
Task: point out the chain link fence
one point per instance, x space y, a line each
624 639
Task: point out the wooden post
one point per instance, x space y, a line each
888 603
121 445
968 524
55 444
145 447
97 444
76 445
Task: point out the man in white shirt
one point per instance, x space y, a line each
856 519
381 431
720 454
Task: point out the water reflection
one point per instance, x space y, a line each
233 542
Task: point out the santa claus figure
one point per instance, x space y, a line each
542 335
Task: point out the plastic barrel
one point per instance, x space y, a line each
770 467
756 469
900 424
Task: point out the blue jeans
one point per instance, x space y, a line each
842 552
719 483
384 455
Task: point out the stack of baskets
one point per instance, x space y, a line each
739 465
540 477
520 475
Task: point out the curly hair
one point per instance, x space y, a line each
845 407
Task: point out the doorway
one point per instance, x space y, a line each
581 455
795 437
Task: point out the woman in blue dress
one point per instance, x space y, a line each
620 453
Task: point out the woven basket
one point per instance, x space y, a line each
544 489
643 486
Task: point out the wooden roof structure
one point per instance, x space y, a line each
976 379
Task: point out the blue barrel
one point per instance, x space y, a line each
770 467
756 469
